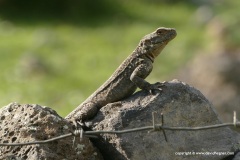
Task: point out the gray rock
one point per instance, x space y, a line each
27 123
237 156
182 106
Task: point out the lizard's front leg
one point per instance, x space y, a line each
140 73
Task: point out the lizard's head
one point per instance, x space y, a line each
153 43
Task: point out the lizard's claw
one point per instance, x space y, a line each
77 123
156 87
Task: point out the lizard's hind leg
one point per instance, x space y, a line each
88 111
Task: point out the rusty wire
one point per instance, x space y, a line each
155 127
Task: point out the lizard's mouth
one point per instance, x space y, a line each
172 34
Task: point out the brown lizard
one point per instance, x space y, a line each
128 76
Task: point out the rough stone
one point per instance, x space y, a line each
182 106
237 156
27 123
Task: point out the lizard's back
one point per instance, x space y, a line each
118 86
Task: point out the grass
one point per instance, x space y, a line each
59 64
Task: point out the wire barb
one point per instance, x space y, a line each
81 134
234 119
164 133
155 127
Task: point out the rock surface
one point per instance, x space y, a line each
182 106
27 123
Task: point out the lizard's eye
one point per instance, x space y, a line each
159 32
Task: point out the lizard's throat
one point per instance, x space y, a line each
156 52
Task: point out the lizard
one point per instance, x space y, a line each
127 77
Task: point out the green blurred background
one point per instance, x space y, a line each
56 53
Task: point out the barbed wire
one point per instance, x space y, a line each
155 127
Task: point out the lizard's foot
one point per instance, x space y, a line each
78 124
156 87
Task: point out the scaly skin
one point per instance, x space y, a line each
128 76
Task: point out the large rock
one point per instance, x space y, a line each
27 123
182 106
